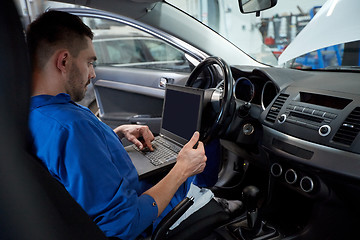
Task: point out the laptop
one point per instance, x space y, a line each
182 110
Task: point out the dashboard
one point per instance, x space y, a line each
307 120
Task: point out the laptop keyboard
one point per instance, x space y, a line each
163 151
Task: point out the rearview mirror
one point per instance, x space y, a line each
250 6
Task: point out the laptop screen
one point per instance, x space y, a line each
181 112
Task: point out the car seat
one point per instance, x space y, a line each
33 205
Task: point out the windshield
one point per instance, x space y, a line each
265 38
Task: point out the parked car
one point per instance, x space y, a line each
289 137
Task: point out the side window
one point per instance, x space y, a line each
120 45
163 52
122 51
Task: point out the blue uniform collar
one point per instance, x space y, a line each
43 100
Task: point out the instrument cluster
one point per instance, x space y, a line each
255 90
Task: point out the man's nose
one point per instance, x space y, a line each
92 73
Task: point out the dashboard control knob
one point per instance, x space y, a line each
306 184
290 176
276 170
282 118
324 130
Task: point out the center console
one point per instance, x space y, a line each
319 128
319 117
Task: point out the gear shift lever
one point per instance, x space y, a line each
253 227
251 199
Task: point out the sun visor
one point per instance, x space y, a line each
133 9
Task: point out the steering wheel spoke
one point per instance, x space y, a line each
218 104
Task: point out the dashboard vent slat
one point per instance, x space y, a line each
276 107
349 128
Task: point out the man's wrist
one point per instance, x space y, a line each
179 174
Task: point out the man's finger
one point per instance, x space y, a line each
136 141
149 145
139 145
148 138
194 139
199 144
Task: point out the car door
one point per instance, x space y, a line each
135 62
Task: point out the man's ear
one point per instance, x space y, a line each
62 60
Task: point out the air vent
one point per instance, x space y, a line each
276 107
349 129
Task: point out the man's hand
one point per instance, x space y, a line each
134 132
190 160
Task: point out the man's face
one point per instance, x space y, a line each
80 73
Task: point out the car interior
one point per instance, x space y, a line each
289 138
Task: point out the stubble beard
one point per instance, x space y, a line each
75 87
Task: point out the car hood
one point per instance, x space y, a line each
336 22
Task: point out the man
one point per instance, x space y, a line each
84 154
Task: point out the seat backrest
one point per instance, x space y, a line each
33 205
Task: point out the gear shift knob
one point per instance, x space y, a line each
253 227
251 199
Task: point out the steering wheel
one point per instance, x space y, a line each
210 129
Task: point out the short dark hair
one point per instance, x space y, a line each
53 30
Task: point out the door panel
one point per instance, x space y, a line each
133 96
138 76
122 103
